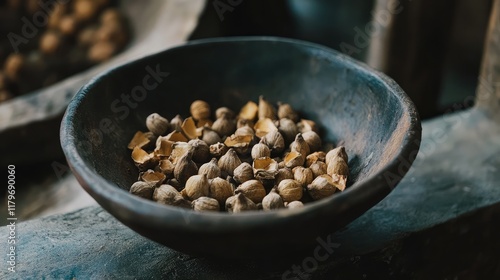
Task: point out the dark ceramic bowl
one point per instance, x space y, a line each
355 105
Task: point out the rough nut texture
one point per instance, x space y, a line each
263 158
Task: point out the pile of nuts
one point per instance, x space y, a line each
50 40
263 158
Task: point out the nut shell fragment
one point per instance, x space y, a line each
293 159
151 176
240 143
314 157
218 149
266 109
249 111
176 136
141 140
163 147
189 128
142 159
265 168
179 149
264 126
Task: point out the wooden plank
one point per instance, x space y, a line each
488 91
411 45
439 189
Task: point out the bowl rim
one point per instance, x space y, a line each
368 191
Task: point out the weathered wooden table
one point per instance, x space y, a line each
441 222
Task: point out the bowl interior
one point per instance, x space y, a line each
362 109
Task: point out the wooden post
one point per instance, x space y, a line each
488 90
411 45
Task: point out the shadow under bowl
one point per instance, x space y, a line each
354 105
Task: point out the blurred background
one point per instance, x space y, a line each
434 50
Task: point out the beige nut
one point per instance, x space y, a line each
210 137
303 175
196 186
275 141
220 190
337 152
157 124
323 186
201 151
243 173
239 203
272 201
224 112
200 110
205 204
185 168
229 162
260 150
288 129
300 145
290 190
313 140
286 111
253 189
318 168
294 205
211 169
143 189
168 195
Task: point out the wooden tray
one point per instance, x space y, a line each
29 124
